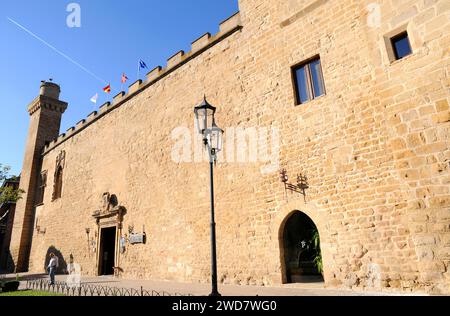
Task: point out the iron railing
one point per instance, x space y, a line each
93 290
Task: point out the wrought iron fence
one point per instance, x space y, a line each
93 290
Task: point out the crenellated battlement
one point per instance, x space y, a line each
48 103
201 42
134 87
200 45
103 108
175 59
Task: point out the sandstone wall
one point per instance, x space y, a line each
375 149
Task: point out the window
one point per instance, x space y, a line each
58 178
57 190
42 185
308 80
401 45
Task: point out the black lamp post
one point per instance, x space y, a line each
213 140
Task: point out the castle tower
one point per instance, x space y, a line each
45 120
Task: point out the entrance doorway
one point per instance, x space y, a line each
301 250
107 251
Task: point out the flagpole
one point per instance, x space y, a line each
139 70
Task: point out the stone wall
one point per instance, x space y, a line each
375 149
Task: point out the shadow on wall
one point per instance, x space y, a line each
62 269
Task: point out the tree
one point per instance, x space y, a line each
4 170
8 194
317 259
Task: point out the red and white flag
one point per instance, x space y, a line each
124 78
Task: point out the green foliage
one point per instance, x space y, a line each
4 170
8 194
317 253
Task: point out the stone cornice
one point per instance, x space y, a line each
44 102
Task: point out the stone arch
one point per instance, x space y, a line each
279 223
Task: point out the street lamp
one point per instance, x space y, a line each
213 141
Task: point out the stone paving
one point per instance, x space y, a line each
197 289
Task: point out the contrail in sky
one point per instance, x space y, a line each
58 51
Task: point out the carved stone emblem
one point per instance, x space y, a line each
110 208
106 202
60 160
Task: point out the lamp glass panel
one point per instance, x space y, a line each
216 139
205 118
200 115
209 118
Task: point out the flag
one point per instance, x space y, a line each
142 64
94 98
107 89
124 78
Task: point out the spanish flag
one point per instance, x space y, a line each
107 89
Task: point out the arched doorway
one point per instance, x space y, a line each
301 249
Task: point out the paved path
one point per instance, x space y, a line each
197 289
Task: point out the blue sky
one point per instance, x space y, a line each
113 36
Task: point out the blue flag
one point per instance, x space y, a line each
142 64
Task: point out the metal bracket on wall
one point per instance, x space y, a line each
300 187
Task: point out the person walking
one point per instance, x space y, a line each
52 266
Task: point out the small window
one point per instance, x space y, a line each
57 190
42 186
401 45
308 80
